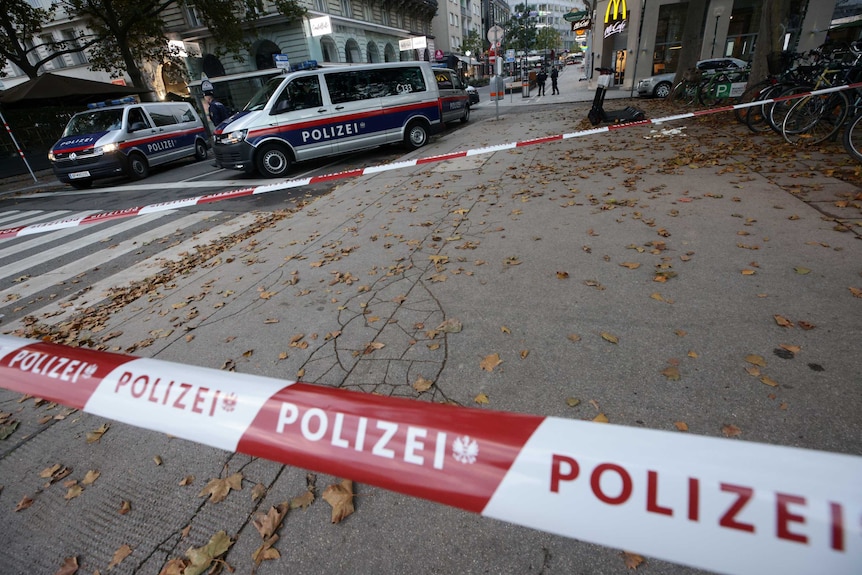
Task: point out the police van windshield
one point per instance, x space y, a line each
262 96
93 122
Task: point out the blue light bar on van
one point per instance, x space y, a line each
106 103
307 65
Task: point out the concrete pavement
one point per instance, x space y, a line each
684 244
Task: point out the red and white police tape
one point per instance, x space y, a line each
725 505
7 233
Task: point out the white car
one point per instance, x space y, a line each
659 86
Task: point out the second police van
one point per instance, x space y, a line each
125 137
330 111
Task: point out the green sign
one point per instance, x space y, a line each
575 16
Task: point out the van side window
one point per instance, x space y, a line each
137 120
305 93
444 80
353 85
162 115
184 113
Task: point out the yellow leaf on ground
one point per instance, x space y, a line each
574 337
752 370
302 501
491 361
632 560
630 265
120 554
755 360
748 272
601 418
481 399
610 337
681 425
573 401
524 353
505 329
422 384
857 292
783 321
791 348
340 497
94 436
731 430
202 557
672 373
90 477
73 492
769 381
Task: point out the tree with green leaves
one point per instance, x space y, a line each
547 39
473 43
22 36
520 29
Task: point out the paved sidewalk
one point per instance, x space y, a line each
636 274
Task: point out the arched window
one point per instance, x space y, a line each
212 66
389 53
263 51
373 53
351 52
328 49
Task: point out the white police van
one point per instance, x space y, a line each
124 137
331 111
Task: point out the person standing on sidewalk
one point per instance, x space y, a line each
217 111
541 78
554 88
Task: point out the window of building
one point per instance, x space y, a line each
320 5
193 17
346 9
668 38
71 38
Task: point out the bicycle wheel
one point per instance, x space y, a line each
815 119
680 95
853 137
707 92
756 117
751 94
778 110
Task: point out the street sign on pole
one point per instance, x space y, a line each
495 34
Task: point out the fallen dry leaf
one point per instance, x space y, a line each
573 401
302 501
574 337
69 566
90 477
218 489
805 325
24 503
672 373
73 492
562 275
258 491
769 381
731 430
857 292
755 360
202 557
422 384
340 497
681 425
373 346
630 265
610 337
120 554
601 418
187 480
794 349
481 399
632 560
491 361
96 435
783 321
125 507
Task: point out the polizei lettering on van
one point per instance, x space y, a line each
329 132
161 145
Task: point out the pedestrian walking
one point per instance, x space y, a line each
541 78
554 74
217 111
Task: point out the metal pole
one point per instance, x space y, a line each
18 147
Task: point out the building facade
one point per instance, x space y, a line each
640 39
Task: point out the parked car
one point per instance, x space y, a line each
473 94
659 86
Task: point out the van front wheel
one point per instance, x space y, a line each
273 161
138 168
416 135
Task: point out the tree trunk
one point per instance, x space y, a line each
770 36
692 38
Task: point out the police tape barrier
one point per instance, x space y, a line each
8 233
725 505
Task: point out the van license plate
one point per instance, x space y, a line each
78 175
